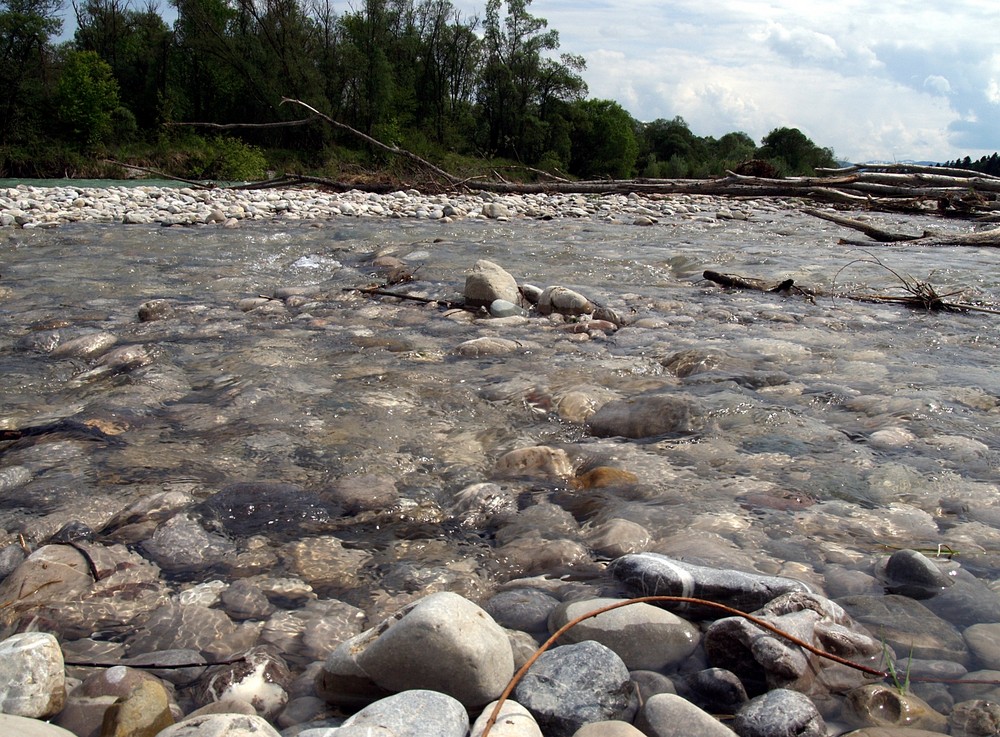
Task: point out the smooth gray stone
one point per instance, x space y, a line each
442 642
11 724
652 574
780 713
976 718
488 282
573 685
909 627
416 713
522 609
512 721
221 725
643 636
669 715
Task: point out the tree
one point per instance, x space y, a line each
87 97
791 152
518 84
25 29
603 140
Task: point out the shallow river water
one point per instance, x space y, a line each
826 433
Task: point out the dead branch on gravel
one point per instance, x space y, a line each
983 238
947 192
919 294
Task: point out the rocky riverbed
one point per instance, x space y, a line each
31 207
241 495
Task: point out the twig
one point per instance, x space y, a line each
675 599
193 183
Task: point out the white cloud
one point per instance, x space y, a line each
993 92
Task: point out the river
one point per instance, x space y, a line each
831 431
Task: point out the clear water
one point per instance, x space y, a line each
882 420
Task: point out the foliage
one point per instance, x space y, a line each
987 164
415 73
87 98
791 152
231 160
603 140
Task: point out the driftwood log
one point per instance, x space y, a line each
983 238
947 192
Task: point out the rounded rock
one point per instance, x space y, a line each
32 682
415 713
645 637
780 713
669 715
221 725
573 685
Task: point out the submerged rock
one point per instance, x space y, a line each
488 282
647 416
281 510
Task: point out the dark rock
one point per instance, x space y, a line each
261 679
155 309
652 574
650 683
913 574
280 510
716 690
573 685
780 713
763 660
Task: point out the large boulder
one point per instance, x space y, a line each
488 282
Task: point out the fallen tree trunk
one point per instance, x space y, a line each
949 192
983 238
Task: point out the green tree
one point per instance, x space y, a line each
87 98
603 140
26 26
791 152
519 83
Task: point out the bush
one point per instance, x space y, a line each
231 160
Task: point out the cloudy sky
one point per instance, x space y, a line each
892 80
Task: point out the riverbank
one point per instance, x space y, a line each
39 207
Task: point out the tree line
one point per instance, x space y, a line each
412 73
986 164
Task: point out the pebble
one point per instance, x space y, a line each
144 205
32 681
414 713
573 685
443 642
670 715
221 725
780 713
645 637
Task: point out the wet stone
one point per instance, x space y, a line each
780 713
573 685
182 544
522 609
716 690
881 705
652 574
984 642
646 416
170 659
87 703
368 492
488 282
764 661
913 574
280 510
908 626
144 711
260 679
977 718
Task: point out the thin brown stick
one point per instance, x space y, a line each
678 600
234 126
161 175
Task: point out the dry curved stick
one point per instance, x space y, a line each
679 600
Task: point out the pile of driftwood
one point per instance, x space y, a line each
887 187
